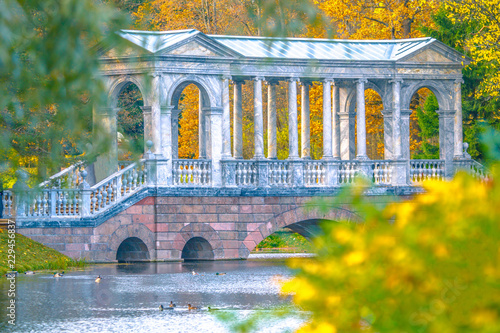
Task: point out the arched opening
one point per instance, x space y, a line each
424 125
197 248
374 125
190 121
130 121
295 237
132 249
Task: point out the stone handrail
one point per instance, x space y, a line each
85 201
279 173
67 178
6 202
475 168
314 173
347 172
382 172
117 187
421 170
246 173
192 172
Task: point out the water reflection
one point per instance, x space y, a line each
128 297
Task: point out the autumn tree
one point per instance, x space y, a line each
49 65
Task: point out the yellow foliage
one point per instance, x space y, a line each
435 269
483 43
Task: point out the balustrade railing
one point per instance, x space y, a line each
477 170
347 172
314 173
246 173
279 173
421 170
6 204
67 178
192 172
56 198
382 172
118 186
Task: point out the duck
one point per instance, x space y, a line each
161 307
194 273
212 309
29 273
58 275
98 279
172 305
192 307
220 273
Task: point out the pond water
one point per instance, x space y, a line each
128 297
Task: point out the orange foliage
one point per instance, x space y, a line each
357 19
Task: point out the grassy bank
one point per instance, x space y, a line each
284 241
33 256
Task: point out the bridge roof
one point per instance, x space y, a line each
286 48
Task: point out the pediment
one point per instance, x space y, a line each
194 48
130 51
436 52
199 45
427 56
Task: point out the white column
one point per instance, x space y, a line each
293 134
458 150
146 113
156 114
237 120
272 142
258 118
164 171
327 119
226 119
175 133
396 118
388 135
361 119
336 122
214 127
202 132
305 119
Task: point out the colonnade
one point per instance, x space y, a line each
338 120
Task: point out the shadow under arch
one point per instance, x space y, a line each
197 248
305 222
132 249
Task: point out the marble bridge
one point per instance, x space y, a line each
221 206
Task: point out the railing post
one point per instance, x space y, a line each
400 172
85 196
365 169
52 201
20 189
262 173
332 172
297 173
150 166
229 173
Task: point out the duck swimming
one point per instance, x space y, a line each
192 307
161 307
172 305
220 273
58 275
29 272
194 273
98 279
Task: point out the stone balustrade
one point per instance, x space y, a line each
84 201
